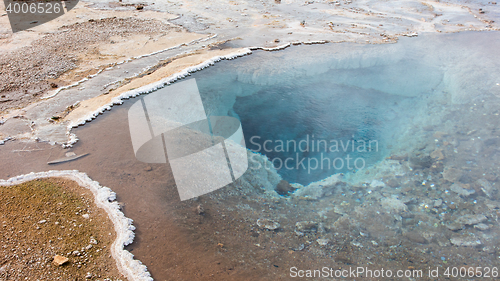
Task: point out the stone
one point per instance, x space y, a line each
376 184
60 260
461 191
88 275
438 203
482 226
437 154
415 237
284 187
323 242
486 187
393 183
471 219
268 224
452 174
394 205
200 210
306 226
86 216
454 226
420 162
465 241
148 168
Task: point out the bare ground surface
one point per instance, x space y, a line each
44 218
28 73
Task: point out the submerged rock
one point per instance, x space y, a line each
486 187
465 241
462 221
482 226
461 191
306 226
452 174
284 188
394 205
471 219
268 224
420 162
323 242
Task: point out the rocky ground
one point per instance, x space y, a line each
51 230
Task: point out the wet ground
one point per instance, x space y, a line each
432 203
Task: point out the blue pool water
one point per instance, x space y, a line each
314 115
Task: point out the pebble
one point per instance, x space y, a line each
461 191
438 203
323 242
60 260
471 219
306 226
465 241
452 174
86 216
486 187
482 226
268 224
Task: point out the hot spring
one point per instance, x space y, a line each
315 111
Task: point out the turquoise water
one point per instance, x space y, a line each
338 108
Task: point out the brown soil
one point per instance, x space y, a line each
44 218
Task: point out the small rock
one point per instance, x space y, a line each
89 246
415 237
70 154
471 219
276 40
88 275
393 183
139 7
268 224
377 183
452 174
454 226
93 241
465 241
461 191
486 187
284 187
420 162
438 203
482 226
86 216
42 221
60 260
306 226
200 210
148 168
323 242
437 154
